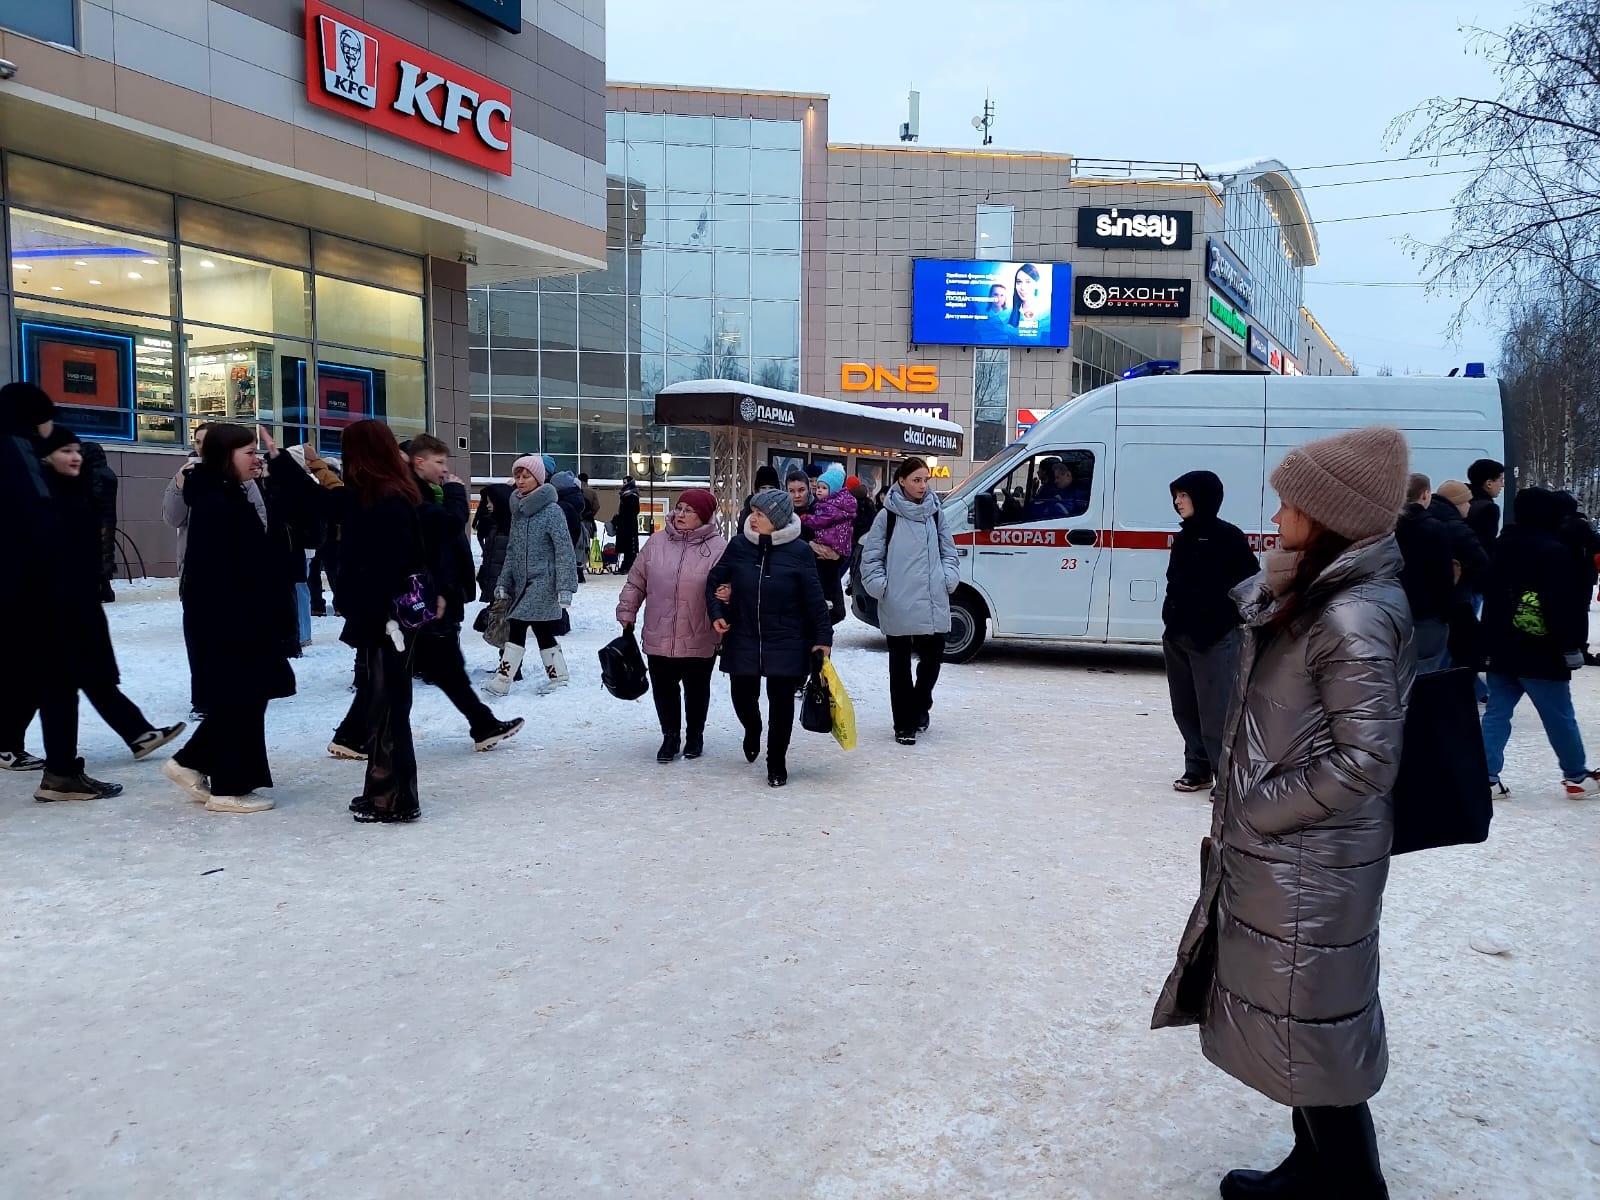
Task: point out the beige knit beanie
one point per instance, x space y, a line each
1454 491
1353 483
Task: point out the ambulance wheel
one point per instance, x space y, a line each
969 624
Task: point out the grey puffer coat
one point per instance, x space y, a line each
1279 962
539 571
913 578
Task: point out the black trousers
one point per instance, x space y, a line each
911 701
191 650
831 572
694 676
1200 683
115 709
230 747
391 783
437 660
544 633
1345 1146
745 691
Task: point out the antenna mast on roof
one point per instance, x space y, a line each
986 122
911 129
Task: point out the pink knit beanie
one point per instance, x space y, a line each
1352 483
533 464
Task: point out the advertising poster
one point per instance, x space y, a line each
89 374
977 303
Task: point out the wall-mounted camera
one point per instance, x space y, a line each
8 69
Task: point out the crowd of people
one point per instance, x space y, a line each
1511 603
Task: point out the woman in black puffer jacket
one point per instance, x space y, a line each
492 522
766 601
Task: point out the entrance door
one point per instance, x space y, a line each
1038 565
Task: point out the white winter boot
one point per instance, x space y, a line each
499 684
555 667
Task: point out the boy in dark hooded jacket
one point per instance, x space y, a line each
1534 622
1201 641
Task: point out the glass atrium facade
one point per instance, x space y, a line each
702 280
1255 234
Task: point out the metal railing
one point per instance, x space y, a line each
1137 169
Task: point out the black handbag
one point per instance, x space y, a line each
816 708
1441 797
622 668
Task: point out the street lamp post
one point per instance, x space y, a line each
651 463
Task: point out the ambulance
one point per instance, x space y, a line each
1064 535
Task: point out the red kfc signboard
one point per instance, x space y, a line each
359 71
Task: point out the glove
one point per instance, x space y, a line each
564 599
501 594
1574 660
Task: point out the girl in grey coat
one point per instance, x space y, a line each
1279 963
538 578
911 573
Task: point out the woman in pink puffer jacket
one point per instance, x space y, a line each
669 580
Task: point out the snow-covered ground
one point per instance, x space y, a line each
915 972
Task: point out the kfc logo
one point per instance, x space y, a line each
405 90
349 63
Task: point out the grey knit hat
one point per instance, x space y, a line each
1352 483
777 507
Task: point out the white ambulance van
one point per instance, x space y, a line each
1064 535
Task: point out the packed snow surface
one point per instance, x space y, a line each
915 972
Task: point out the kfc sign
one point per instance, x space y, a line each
370 76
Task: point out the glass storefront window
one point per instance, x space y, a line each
354 314
353 385
109 373
513 372
58 260
207 225
369 264
221 289
242 376
49 188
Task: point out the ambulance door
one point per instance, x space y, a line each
1041 558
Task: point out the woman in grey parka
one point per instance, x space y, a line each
1279 963
909 565
538 578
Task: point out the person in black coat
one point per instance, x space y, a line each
1428 575
28 538
1487 479
103 484
442 517
1452 500
492 523
1534 623
238 604
1578 535
766 480
766 602
626 525
86 658
1201 640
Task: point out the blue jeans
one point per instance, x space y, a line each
302 603
1552 699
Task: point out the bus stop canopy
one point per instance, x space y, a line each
739 416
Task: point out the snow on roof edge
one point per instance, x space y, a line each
701 387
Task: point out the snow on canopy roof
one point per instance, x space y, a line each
1281 187
727 387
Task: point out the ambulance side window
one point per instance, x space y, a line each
1055 485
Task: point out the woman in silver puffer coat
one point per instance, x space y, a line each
1279 963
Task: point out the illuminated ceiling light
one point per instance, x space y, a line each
79 263
56 287
23 266
151 262
134 275
95 282
207 263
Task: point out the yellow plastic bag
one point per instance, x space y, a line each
844 713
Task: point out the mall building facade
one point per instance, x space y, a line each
273 210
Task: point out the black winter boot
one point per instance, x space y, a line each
752 743
1347 1152
669 749
694 744
1292 1179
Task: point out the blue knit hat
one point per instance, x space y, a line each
549 463
833 477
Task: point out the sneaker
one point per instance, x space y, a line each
495 734
247 803
1583 787
189 780
19 760
149 742
1193 783
1498 790
906 737
76 786
338 749
196 713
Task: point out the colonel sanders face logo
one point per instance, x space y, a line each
349 63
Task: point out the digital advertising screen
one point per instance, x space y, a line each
974 302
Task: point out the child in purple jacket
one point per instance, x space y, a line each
829 526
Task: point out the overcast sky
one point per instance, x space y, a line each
1202 81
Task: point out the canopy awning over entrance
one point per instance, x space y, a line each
738 415
792 417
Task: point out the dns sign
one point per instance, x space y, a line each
863 377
